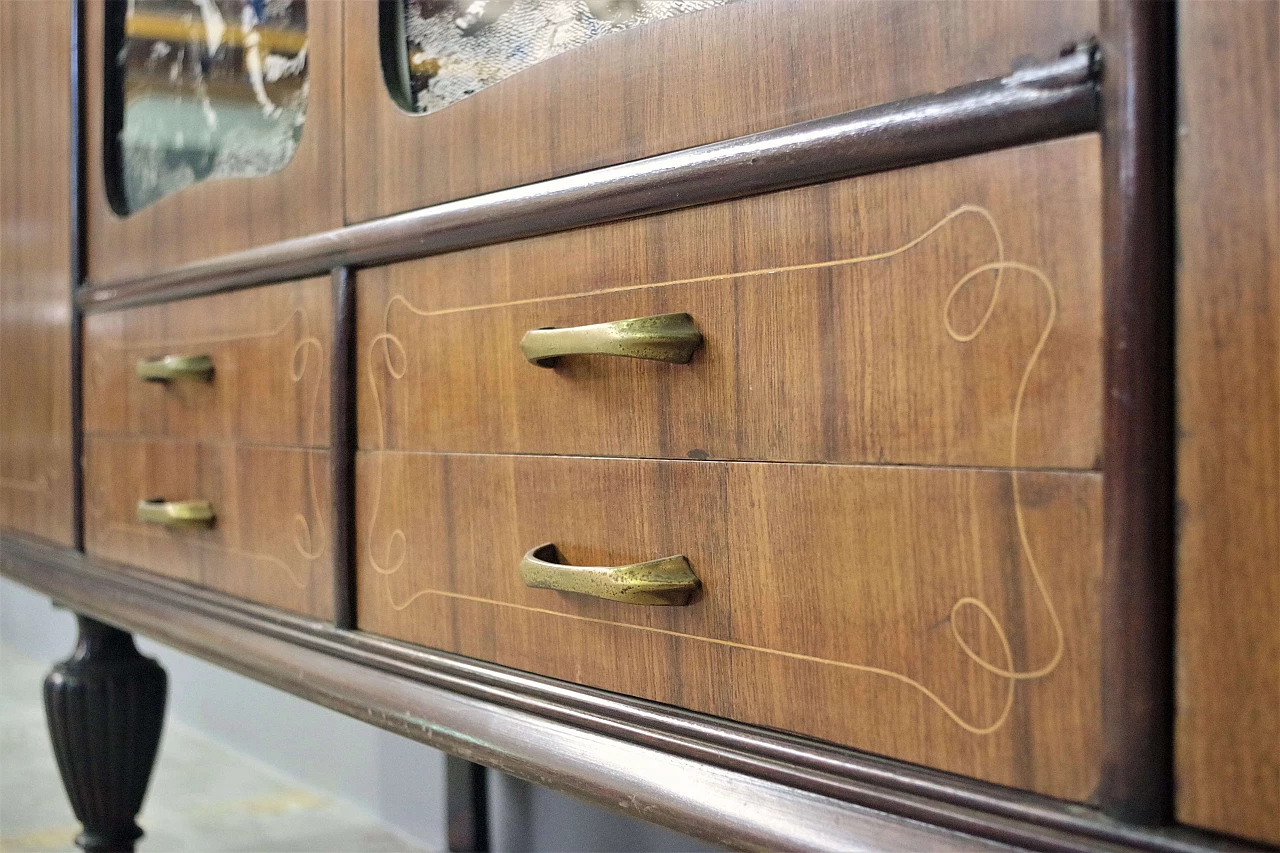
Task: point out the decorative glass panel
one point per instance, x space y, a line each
201 89
437 52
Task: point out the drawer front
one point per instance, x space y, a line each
943 616
269 349
269 542
946 314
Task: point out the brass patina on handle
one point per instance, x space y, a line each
175 513
167 368
664 337
665 581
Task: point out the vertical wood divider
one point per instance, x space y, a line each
78 254
342 446
1137 46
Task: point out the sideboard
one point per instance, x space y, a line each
830 424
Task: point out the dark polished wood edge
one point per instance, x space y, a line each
77 266
342 447
1139 534
1033 104
298 654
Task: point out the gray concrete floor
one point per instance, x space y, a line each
203 796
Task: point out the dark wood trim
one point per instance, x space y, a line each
1138 414
347 670
78 260
1033 104
342 447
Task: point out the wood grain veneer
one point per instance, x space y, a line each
830 595
36 492
1228 639
270 542
212 218
695 79
271 348
809 354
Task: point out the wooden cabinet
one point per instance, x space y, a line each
666 85
36 145
948 432
214 215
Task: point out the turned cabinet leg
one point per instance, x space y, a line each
105 707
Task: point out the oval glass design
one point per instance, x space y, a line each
198 90
437 52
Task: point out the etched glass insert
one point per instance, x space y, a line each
201 89
437 52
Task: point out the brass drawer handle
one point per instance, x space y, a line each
176 513
167 368
664 337
667 580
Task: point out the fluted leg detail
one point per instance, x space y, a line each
105 707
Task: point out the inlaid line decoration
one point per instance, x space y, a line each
395 361
305 346
42 483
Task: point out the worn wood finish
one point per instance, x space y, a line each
1138 415
36 492
828 331
1035 103
726 72
271 541
827 593
271 350
1228 712
212 218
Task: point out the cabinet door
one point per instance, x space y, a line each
452 99
213 127
35 269
1228 723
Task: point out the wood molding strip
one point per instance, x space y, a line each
1139 532
79 256
1033 104
305 653
342 447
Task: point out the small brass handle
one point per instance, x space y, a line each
176 513
665 581
167 368
664 337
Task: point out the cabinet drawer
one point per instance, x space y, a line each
945 314
269 540
835 601
269 350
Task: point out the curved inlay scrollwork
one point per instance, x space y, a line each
307 348
392 558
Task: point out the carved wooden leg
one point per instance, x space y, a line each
105 707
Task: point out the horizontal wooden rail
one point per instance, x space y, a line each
1033 104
